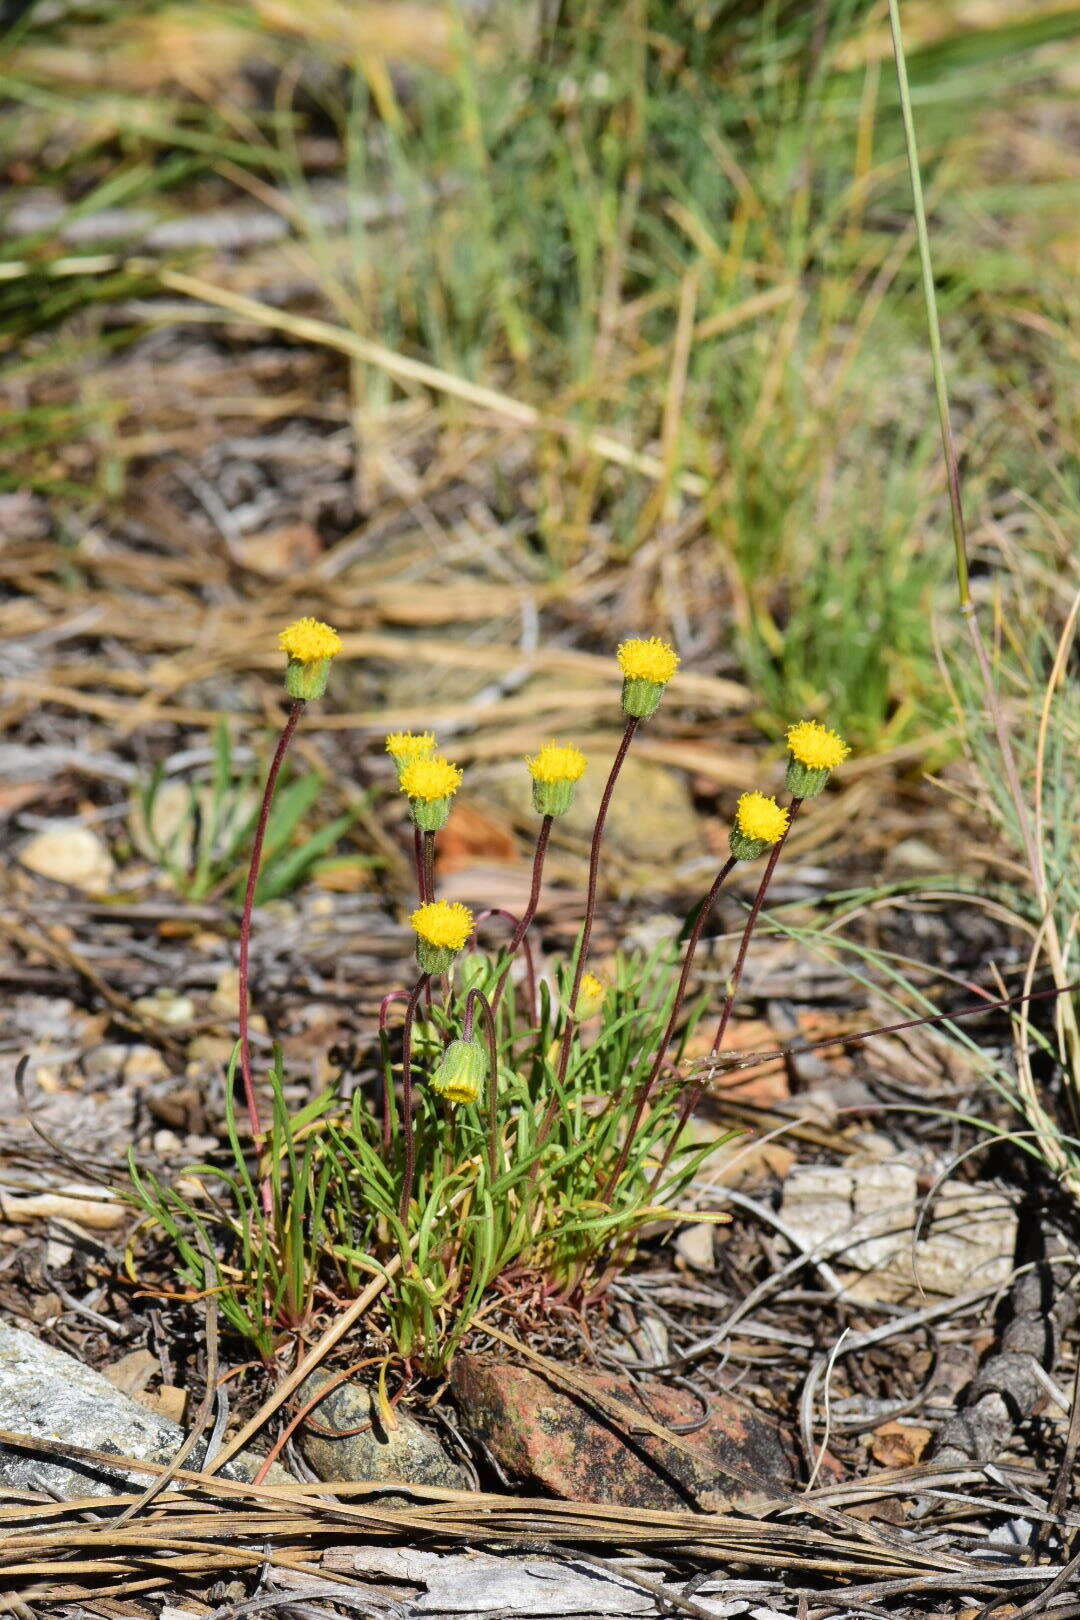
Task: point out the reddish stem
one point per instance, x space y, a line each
518 937
418 857
388 1082
429 865
645 1089
406 1096
693 1093
590 895
751 922
284 740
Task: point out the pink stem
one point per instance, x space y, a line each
421 874
751 922
693 1094
645 1089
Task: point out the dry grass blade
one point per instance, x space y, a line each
418 371
183 1534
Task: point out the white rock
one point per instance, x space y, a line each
694 1245
47 1394
69 853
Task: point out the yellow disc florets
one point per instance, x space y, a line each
405 746
556 762
760 818
816 747
445 924
651 660
430 779
591 993
308 641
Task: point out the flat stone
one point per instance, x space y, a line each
652 815
408 1455
48 1394
563 1444
69 853
862 1217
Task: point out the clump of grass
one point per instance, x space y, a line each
675 223
549 1129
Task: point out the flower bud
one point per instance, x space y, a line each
461 1074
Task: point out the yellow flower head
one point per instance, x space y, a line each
651 660
405 746
459 1077
591 993
308 641
816 747
760 819
446 924
430 779
557 762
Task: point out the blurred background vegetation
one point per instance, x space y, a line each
684 224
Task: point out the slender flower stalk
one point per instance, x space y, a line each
474 999
408 1129
309 647
644 1090
590 893
295 711
429 866
388 1085
421 872
693 1094
518 939
748 929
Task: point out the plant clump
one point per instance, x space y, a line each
520 1131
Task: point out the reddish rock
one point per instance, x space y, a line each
565 1445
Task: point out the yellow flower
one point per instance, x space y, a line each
308 641
651 660
430 779
446 924
760 818
554 771
405 746
591 993
556 762
460 1076
441 927
647 666
816 747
